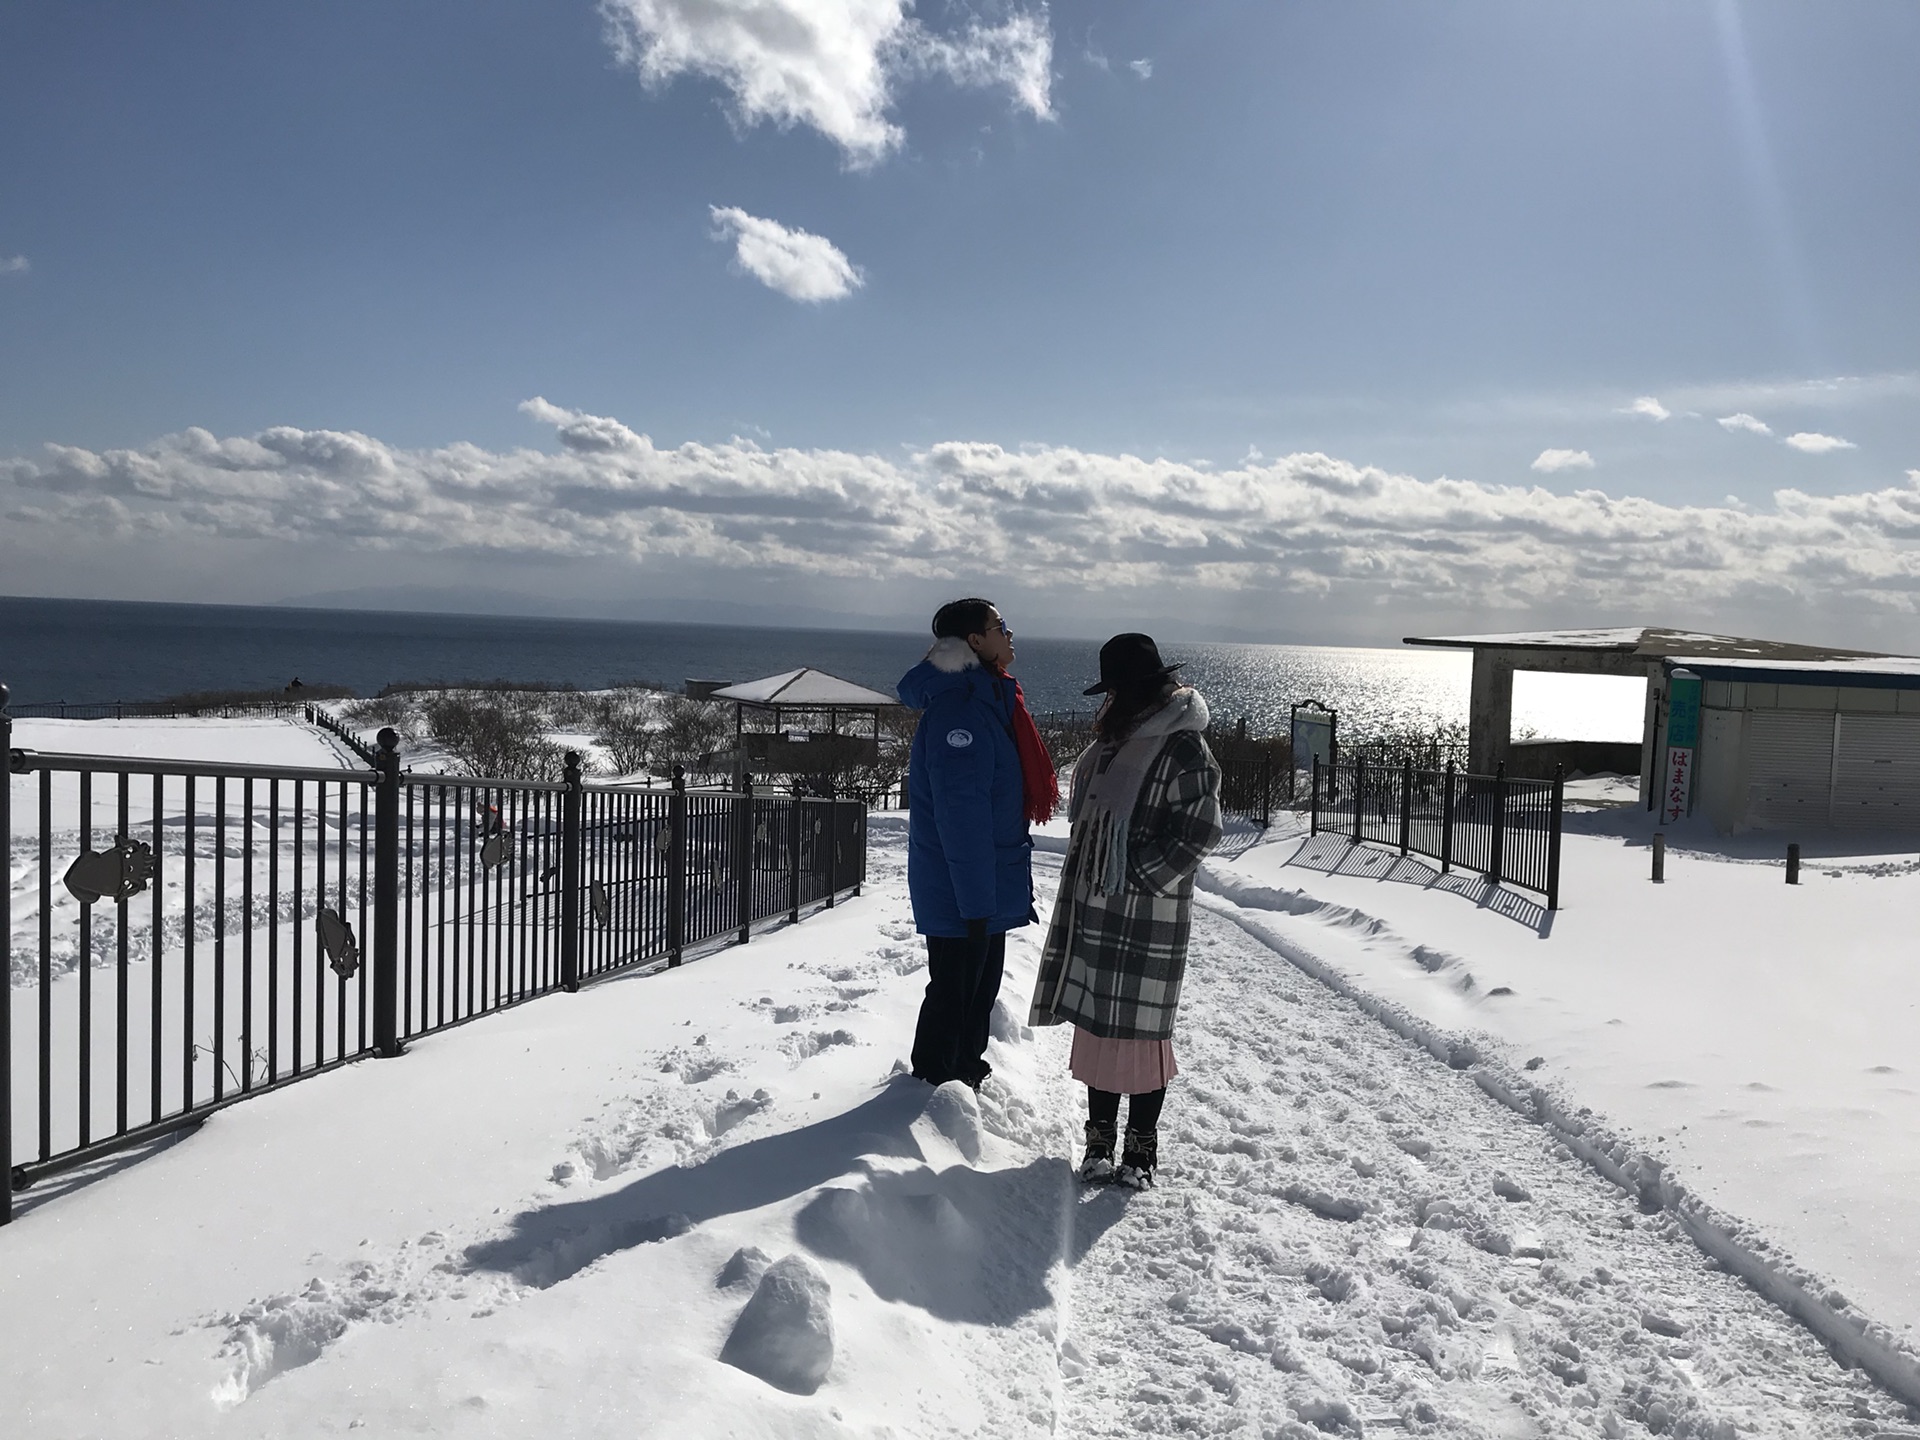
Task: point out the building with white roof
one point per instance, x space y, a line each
1789 736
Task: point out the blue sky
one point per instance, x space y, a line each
1154 246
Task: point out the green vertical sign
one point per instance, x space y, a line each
1683 745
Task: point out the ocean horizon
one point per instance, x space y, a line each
89 651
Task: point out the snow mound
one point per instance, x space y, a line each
784 1336
744 1267
954 1111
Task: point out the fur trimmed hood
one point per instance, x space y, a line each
950 664
950 655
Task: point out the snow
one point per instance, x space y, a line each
707 1201
1857 667
1753 1038
804 687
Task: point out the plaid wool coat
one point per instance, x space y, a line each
1113 964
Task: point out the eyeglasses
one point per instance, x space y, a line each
1002 628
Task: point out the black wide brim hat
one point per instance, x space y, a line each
1128 662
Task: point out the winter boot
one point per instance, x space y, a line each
1138 1159
1096 1167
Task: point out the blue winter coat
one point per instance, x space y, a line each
969 856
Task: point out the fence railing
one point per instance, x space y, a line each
324 720
1252 786
185 708
197 933
1507 830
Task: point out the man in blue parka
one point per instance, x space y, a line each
969 867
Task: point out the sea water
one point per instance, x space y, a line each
94 650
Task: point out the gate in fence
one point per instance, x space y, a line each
1508 830
198 933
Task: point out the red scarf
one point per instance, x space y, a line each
1037 778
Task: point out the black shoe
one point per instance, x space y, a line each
976 1075
1096 1166
1138 1159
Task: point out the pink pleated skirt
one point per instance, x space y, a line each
1122 1067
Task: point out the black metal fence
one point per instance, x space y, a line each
1507 830
196 933
1253 786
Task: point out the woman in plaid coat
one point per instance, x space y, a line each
1145 811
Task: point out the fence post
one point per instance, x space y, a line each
1553 838
796 836
677 868
1499 842
1406 803
1313 799
833 843
1446 824
6 990
386 897
1359 791
1266 788
572 803
745 833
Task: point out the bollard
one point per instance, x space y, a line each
1659 857
1793 863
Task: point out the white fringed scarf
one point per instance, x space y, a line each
1111 794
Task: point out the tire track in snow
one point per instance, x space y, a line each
1488 1284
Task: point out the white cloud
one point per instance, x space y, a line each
833 65
14 265
1142 68
1744 421
1809 442
1551 462
1648 406
800 265
1062 521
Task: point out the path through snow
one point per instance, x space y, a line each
1351 1237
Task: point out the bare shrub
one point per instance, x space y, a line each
494 736
391 710
688 729
624 724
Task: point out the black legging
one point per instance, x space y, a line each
1143 1110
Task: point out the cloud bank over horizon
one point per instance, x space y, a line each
1047 519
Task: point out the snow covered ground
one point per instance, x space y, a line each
1755 1039
554 1221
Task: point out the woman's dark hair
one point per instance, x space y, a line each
1130 705
958 619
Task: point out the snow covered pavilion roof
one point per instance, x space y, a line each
1652 642
805 689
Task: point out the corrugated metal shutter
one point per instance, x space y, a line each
1877 782
1789 768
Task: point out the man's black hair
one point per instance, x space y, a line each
958 619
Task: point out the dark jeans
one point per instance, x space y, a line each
963 981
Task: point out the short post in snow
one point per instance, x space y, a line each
6 996
1498 845
743 851
1406 804
572 803
677 868
1446 823
1553 837
1659 857
386 896
1313 799
1793 863
1359 791
1266 788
